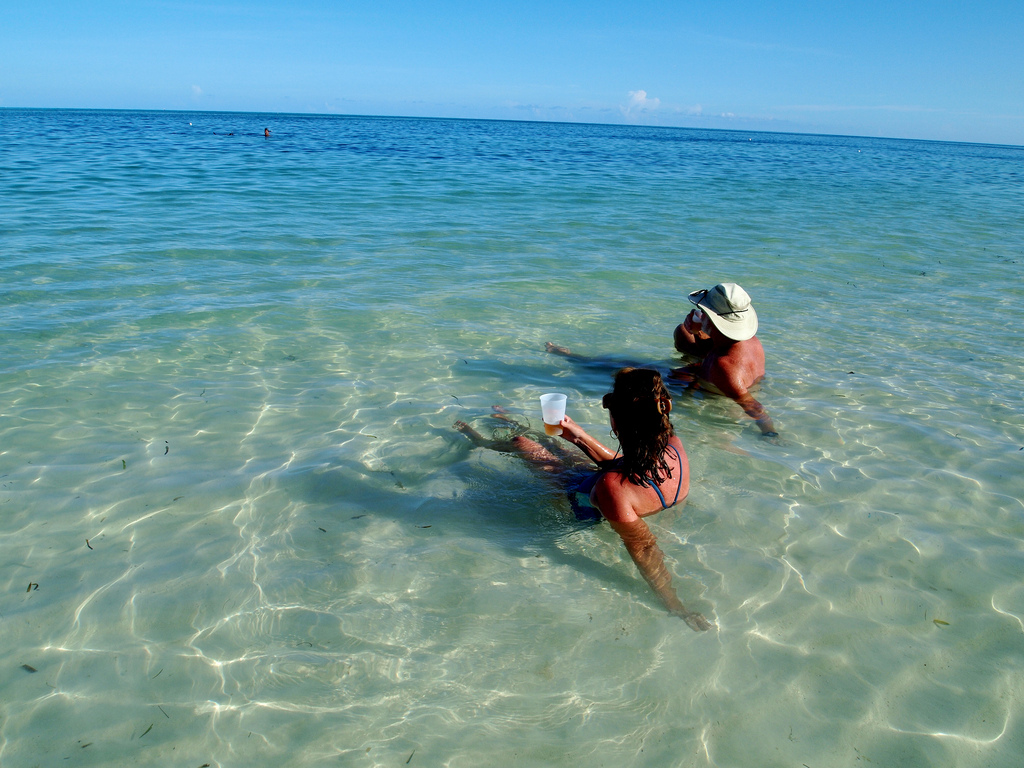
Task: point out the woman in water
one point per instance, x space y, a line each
652 473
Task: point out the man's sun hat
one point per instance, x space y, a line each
730 310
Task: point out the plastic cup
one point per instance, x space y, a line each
552 408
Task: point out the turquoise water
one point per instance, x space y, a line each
238 529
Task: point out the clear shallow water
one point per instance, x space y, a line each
237 527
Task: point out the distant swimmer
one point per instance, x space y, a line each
720 331
266 132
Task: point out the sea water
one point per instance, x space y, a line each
237 527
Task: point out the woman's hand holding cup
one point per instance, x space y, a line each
571 431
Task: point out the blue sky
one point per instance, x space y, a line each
930 70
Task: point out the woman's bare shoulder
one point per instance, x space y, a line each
614 496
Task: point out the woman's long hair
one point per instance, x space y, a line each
640 405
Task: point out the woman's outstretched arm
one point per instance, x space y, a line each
575 434
644 549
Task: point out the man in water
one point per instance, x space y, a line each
720 331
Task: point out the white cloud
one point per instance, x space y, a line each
639 102
197 91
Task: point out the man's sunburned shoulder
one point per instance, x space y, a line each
743 353
735 370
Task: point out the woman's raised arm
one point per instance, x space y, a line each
575 434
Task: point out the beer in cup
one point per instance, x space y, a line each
552 408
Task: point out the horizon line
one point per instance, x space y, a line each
509 120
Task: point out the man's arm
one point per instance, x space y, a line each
728 382
757 412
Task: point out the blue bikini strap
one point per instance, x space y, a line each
678 487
